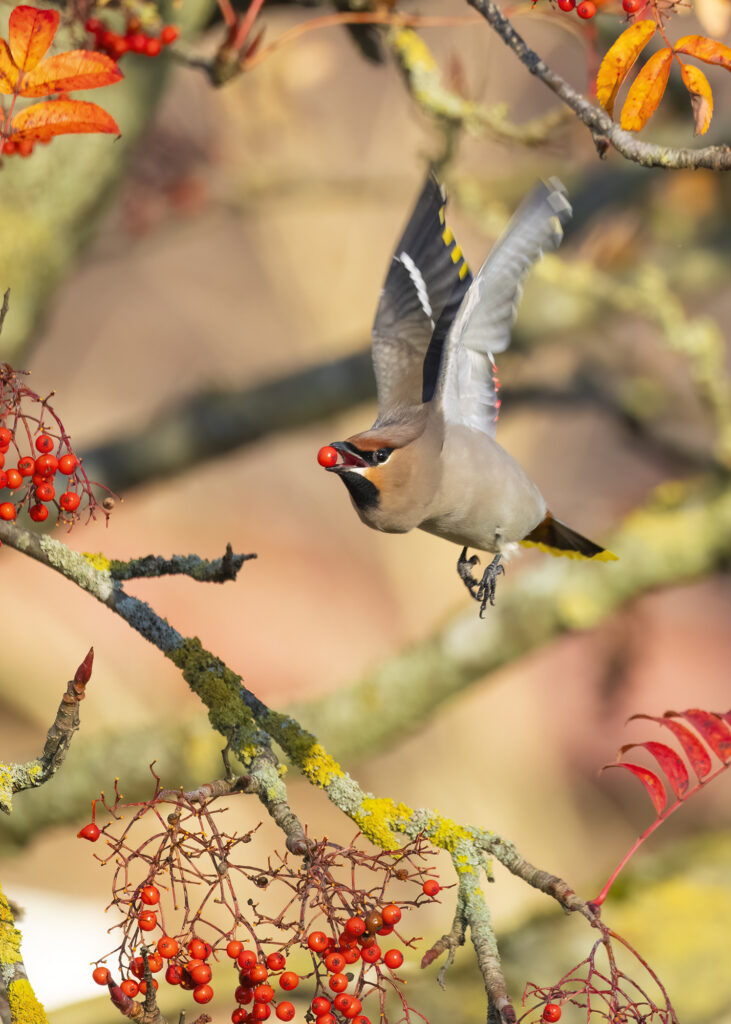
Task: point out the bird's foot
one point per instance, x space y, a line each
486 590
464 568
483 590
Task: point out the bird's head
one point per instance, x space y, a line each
383 469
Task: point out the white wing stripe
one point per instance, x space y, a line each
418 281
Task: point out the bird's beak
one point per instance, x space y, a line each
349 456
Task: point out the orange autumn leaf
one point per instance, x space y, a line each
646 91
75 69
60 117
701 97
8 70
708 50
619 59
30 33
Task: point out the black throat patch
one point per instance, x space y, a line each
362 491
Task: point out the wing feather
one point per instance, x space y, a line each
468 386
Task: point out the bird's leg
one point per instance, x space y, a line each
464 568
486 589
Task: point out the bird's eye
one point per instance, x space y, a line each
382 454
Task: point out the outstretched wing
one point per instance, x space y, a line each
468 384
426 282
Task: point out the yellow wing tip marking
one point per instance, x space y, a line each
447 236
441 214
463 271
456 254
600 556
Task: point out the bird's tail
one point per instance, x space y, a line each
557 538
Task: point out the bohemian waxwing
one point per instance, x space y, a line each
430 460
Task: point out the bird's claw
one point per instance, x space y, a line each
483 590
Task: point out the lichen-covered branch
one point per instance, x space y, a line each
604 130
23 1006
216 570
16 777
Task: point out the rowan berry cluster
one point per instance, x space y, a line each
35 457
586 9
134 40
335 938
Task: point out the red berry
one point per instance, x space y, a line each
38 513
6 436
239 1016
3 479
198 949
203 993
631 6
201 974
174 973
94 26
14 479
168 35
317 941
246 959
289 981
100 975
45 492
243 994
371 954
263 993
431 887
334 962
147 920
7 511
373 922
386 930
361 1020
234 948
107 39
276 961
260 1011
326 1018
2 459
352 1008
130 988
8 147
393 958
46 465
551 1012
566 5
69 501
90 831
150 895
26 466
44 444
118 48
258 973
586 9
356 925
338 983
153 47
391 914
143 986
320 1005
167 947
285 1011
327 456
351 954
137 967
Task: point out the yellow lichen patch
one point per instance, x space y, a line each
377 817
446 833
412 50
319 767
23 1004
9 934
97 560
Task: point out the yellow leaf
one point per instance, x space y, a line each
701 97
8 70
647 91
619 59
708 50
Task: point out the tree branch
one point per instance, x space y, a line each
603 128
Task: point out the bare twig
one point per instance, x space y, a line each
217 570
603 128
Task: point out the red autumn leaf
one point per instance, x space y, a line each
708 50
60 117
30 33
8 70
696 753
712 728
648 779
647 91
618 60
74 69
670 762
701 97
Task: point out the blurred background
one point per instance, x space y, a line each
240 236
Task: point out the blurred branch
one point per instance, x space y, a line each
604 130
217 570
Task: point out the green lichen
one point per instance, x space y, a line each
216 685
